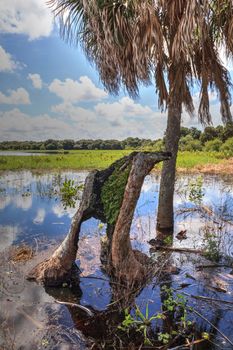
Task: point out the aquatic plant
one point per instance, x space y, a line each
140 322
69 193
173 303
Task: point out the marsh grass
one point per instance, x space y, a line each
96 159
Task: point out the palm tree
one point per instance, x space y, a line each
174 42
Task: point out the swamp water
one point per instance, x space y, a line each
32 214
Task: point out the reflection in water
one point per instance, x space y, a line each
31 212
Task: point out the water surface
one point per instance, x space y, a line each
31 212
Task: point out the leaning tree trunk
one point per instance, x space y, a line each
111 196
165 217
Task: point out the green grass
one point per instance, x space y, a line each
75 160
94 160
189 160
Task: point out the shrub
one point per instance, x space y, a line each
213 145
227 148
187 143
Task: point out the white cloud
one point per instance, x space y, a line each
119 120
59 211
15 97
5 201
125 107
75 113
23 202
7 64
7 236
72 91
32 18
36 80
40 216
15 125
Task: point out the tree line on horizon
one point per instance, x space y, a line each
211 139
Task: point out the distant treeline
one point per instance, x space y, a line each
129 143
211 139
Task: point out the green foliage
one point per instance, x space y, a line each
195 188
227 131
113 191
213 145
176 304
209 133
172 303
193 191
164 338
227 148
168 240
69 193
188 143
140 322
205 335
212 243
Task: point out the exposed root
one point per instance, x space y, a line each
133 270
51 273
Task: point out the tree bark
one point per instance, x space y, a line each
165 217
127 264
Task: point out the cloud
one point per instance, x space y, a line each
32 18
124 108
36 80
75 113
7 64
7 236
15 97
119 119
40 216
23 202
73 91
15 125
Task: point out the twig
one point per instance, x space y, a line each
181 347
104 279
179 250
89 312
212 266
208 299
212 325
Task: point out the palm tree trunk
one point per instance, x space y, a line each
165 218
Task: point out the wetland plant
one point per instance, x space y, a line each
69 193
174 308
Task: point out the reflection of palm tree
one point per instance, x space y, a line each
177 42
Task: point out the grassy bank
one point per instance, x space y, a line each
78 160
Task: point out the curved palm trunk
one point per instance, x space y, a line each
165 218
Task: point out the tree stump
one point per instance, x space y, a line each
111 196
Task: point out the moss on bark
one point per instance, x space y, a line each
113 191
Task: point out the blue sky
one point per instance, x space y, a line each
48 89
